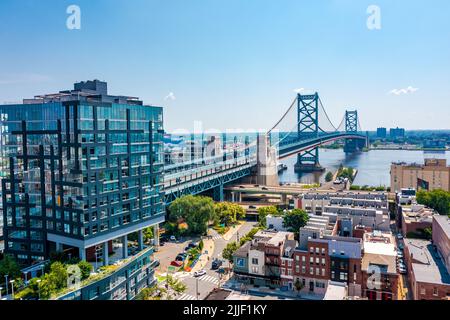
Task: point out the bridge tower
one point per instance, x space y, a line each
351 126
307 128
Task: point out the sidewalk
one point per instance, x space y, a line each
207 252
233 230
265 291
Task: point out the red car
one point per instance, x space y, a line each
176 263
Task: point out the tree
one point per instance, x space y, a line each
9 267
196 211
176 285
229 250
46 286
228 213
263 212
329 176
295 219
58 274
298 286
438 200
85 268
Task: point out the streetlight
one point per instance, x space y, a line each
39 288
12 287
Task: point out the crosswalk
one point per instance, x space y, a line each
186 296
217 237
209 278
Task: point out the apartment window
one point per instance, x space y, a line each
343 276
297 258
323 261
435 291
332 274
323 272
317 272
311 271
317 260
311 249
303 269
254 269
303 259
317 250
422 290
289 263
254 261
323 251
297 269
311 260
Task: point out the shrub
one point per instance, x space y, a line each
85 268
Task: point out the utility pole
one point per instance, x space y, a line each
196 287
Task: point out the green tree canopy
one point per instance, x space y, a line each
263 212
438 200
9 266
329 176
196 211
58 274
228 213
295 219
229 250
85 268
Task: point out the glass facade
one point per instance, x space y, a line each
78 166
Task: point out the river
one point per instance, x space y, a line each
373 166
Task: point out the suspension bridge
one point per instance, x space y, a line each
301 130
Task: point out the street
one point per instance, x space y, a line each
208 282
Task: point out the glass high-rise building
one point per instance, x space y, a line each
81 170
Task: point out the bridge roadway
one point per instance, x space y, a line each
199 179
288 149
198 175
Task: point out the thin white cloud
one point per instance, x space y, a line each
299 90
407 90
170 96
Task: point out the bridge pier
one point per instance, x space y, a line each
267 171
218 194
308 161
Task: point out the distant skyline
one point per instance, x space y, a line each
236 64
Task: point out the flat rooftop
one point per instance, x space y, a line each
380 243
273 238
426 264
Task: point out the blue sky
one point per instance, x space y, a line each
236 63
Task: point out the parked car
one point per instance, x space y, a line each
264 188
176 263
401 247
193 245
199 273
173 238
181 257
402 270
399 255
252 207
216 264
399 236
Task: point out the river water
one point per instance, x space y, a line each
373 166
